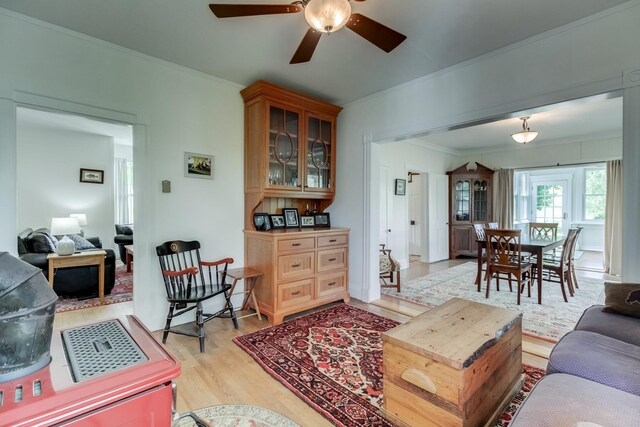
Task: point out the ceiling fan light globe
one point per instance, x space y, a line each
524 136
327 16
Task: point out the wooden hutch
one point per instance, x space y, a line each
470 202
290 149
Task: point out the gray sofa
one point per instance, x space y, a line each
593 376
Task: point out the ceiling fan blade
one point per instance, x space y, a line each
235 10
380 35
307 47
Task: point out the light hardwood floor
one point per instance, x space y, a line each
226 374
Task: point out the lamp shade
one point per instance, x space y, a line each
526 134
62 226
327 16
82 218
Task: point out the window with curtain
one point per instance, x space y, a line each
123 191
595 194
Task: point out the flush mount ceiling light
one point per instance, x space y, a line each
525 135
327 16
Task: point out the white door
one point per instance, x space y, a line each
384 205
414 192
438 218
550 203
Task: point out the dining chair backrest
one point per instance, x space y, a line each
479 228
503 246
493 225
568 246
543 230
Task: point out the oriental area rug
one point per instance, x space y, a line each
332 360
122 292
549 321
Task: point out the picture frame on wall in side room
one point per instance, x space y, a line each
92 176
401 187
198 165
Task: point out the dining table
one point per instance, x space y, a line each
536 247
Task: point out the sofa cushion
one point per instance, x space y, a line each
40 242
582 402
597 358
81 243
618 326
22 241
622 298
126 229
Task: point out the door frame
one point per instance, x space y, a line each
566 180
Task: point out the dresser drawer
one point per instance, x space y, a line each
332 259
324 241
295 266
296 244
295 293
331 283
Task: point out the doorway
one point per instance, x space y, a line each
551 202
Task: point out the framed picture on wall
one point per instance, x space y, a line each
92 176
401 187
198 165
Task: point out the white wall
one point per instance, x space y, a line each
173 109
49 186
578 60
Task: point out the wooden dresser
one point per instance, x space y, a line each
301 268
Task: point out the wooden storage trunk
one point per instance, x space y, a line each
454 365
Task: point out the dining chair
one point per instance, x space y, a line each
493 225
504 256
189 281
544 231
388 268
480 235
572 261
559 271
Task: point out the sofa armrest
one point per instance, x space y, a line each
95 241
36 259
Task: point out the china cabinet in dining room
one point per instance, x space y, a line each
470 202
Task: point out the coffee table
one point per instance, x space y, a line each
457 364
129 256
79 259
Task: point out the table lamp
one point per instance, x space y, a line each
62 227
82 220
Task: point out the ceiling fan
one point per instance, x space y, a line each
324 16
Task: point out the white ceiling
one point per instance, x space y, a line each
122 134
588 119
345 67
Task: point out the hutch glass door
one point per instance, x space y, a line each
462 198
318 153
283 148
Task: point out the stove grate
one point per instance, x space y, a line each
100 348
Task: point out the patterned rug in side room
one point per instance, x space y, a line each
549 321
332 360
122 292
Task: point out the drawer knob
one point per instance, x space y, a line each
332 241
331 283
295 244
295 265
295 293
332 259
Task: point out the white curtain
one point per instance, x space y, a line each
613 219
123 215
503 198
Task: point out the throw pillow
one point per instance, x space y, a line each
41 243
622 298
81 242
